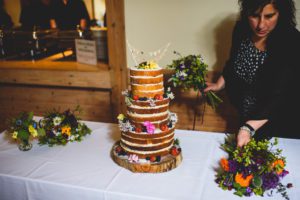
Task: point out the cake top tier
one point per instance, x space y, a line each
148 65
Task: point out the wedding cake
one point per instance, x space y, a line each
147 129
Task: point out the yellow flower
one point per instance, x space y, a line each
66 130
152 65
15 135
121 117
32 131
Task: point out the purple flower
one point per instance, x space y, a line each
34 125
248 191
181 66
19 122
181 78
227 182
283 174
270 181
232 166
50 134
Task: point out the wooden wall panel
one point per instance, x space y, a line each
16 98
223 119
92 79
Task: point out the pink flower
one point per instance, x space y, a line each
150 127
133 158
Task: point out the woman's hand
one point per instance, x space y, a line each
243 137
215 87
211 87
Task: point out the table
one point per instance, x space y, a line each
85 170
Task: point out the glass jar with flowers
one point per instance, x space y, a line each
22 129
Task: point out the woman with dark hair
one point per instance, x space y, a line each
5 19
260 74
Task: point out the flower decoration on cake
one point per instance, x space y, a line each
256 168
148 65
59 128
191 72
149 127
22 129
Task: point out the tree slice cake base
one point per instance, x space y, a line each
165 164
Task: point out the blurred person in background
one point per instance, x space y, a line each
5 19
68 14
35 13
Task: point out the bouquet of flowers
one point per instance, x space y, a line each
190 72
255 168
60 128
22 128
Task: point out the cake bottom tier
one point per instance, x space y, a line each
166 162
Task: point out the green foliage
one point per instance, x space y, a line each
190 73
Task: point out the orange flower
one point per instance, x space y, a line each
224 164
244 182
276 163
66 130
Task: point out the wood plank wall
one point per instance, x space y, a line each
97 105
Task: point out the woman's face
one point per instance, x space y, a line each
264 21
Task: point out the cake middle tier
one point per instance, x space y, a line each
148 144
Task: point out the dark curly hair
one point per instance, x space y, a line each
286 9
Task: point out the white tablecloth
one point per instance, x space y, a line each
85 170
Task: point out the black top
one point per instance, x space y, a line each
248 61
275 83
35 14
5 19
68 16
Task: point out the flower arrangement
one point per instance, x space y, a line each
22 129
190 72
60 128
148 65
256 168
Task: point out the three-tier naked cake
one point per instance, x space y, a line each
147 130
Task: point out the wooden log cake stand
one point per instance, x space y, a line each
166 163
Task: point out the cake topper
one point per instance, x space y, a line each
140 56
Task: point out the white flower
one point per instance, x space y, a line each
125 127
133 158
152 102
72 137
56 133
173 118
181 74
125 93
56 121
171 95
